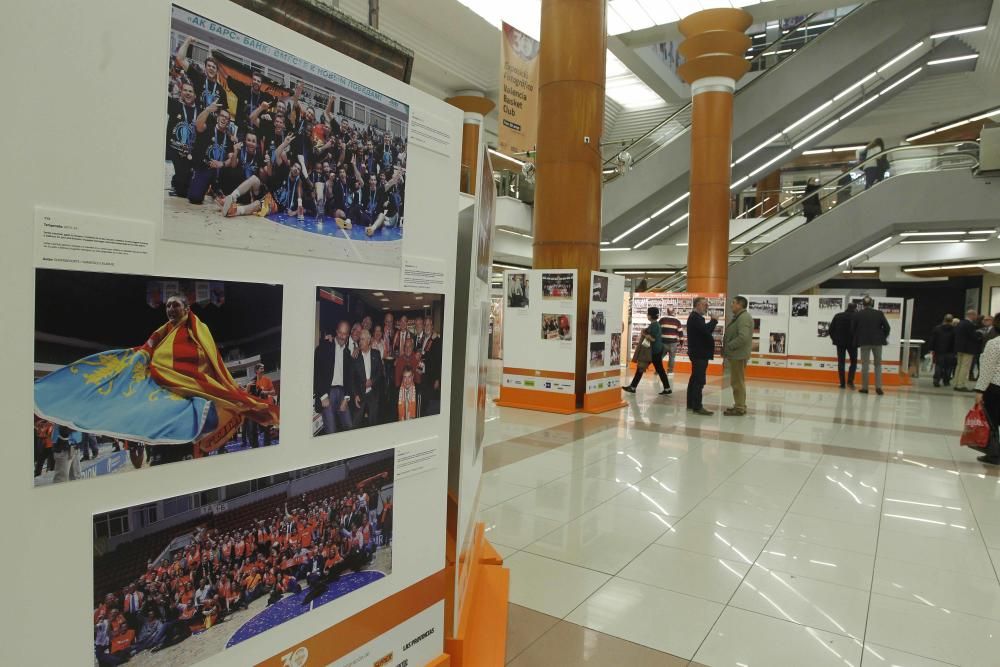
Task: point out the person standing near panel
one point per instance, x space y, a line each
701 350
670 326
653 337
942 347
842 335
737 343
967 346
988 394
871 334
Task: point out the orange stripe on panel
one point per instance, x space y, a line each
337 641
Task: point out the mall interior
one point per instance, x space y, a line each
573 215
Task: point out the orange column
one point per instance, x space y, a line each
567 223
713 49
475 106
768 194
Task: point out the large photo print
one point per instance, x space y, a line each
181 579
265 151
377 358
138 371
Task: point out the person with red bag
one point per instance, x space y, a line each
988 396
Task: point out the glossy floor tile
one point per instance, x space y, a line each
824 528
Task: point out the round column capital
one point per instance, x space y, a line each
715 44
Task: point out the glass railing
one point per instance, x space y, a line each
514 184
768 59
788 218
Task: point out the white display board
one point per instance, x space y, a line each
100 105
539 328
681 305
770 329
606 338
476 242
809 324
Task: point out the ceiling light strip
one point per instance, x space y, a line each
865 251
900 57
955 59
960 31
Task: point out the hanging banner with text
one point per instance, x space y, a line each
519 98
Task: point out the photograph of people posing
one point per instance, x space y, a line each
256 153
378 358
137 371
196 579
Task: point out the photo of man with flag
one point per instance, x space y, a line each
174 396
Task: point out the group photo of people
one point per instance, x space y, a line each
557 326
377 359
280 150
138 371
557 285
224 573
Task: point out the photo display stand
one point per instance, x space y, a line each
680 304
792 336
539 371
604 343
478 584
239 381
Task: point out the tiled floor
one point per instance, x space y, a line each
825 528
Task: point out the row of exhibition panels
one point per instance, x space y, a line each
791 333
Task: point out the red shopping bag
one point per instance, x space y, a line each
977 428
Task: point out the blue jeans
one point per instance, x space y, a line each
332 414
201 179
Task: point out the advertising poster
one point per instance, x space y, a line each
677 305
377 359
519 99
771 316
133 372
265 151
181 579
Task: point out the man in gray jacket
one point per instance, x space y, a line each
737 342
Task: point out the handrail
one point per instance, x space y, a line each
687 107
740 240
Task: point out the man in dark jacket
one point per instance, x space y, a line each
701 350
967 346
842 335
942 346
871 334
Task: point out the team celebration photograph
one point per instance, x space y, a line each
179 580
134 371
377 358
265 155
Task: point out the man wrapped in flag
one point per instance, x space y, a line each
174 389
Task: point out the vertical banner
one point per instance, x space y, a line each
519 99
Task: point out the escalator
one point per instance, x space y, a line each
782 254
769 112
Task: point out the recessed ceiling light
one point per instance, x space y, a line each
955 59
960 31
419 298
383 299
378 293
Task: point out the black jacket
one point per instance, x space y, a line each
324 360
432 367
967 338
701 343
942 339
870 327
841 329
358 377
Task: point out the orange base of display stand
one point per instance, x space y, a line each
604 401
443 660
820 376
680 367
481 638
544 401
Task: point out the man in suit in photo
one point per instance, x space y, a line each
332 379
367 382
430 352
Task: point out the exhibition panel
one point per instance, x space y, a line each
247 270
604 342
540 354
